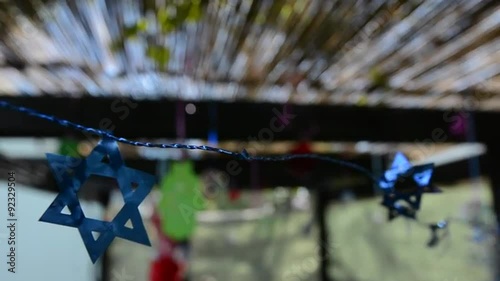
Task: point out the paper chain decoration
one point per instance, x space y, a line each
402 183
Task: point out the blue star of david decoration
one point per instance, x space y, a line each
403 186
71 173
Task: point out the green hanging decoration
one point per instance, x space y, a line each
69 147
181 199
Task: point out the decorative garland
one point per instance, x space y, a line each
401 183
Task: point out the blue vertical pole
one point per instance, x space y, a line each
213 136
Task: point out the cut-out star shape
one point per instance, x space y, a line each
71 173
403 186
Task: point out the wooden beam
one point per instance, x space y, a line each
239 121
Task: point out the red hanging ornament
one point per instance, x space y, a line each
165 268
165 244
302 166
234 194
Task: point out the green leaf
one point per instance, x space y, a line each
167 27
286 11
117 45
130 31
182 14
362 101
194 12
165 21
159 54
162 16
260 18
134 30
142 25
378 78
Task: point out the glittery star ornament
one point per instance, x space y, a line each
403 186
71 173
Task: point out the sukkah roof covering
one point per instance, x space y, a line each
415 54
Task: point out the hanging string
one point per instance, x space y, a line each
180 125
180 121
377 167
240 155
254 182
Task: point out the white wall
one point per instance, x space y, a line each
44 251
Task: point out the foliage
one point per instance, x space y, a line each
167 20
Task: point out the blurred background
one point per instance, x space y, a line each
356 80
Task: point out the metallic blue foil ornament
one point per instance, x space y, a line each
71 173
403 186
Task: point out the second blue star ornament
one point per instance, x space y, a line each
404 184
71 174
